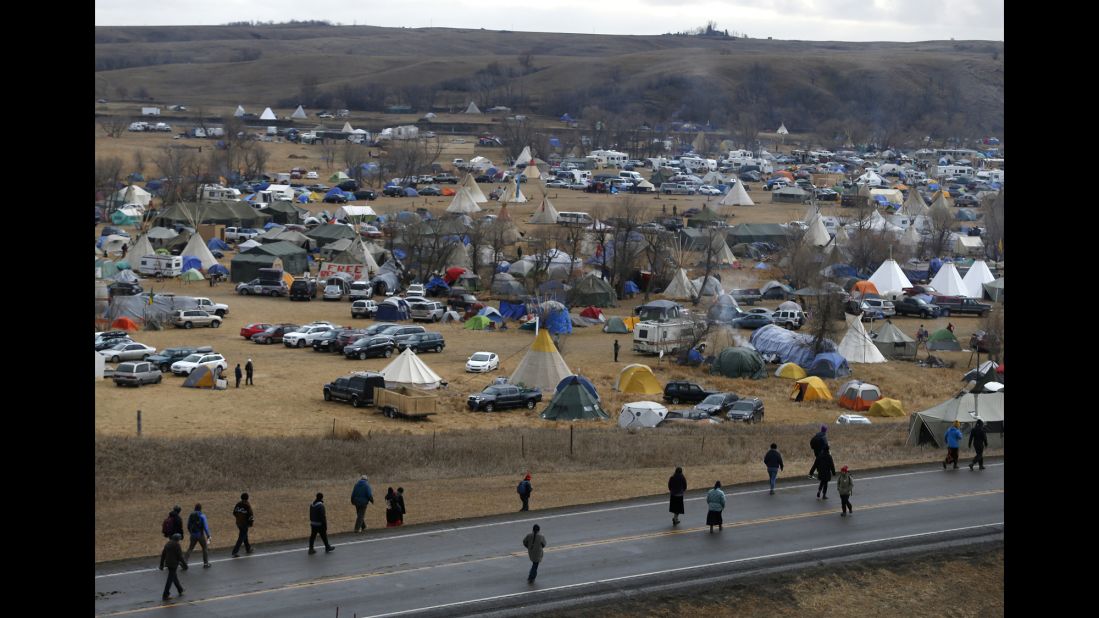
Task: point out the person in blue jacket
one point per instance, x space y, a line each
953 440
361 496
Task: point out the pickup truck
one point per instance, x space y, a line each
358 388
910 305
462 301
501 396
240 234
427 312
449 178
415 290
747 295
960 304
209 306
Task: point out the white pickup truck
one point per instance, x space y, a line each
209 306
240 234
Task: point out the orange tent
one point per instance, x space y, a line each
448 191
864 288
784 174
125 324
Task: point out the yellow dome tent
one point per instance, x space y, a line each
886 407
810 389
637 379
791 371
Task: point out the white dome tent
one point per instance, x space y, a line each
641 414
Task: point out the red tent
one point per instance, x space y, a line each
592 312
125 324
452 274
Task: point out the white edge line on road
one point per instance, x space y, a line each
687 568
529 519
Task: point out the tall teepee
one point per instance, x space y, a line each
857 346
544 214
463 202
817 235
974 280
268 115
948 282
524 157
736 196
889 277
681 287
143 247
513 194
474 191
197 247
472 109
240 111
914 205
299 113
542 367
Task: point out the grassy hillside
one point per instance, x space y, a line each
945 86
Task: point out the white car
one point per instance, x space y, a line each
129 350
216 363
311 176
852 419
482 362
709 190
305 335
559 184
415 290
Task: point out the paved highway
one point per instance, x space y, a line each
475 566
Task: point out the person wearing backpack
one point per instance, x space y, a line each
361 496
200 535
818 444
244 516
173 523
318 524
525 489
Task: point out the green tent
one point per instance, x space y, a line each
573 402
283 212
592 290
704 218
757 232
943 339
191 275
324 234
245 265
218 213
739 363
120 218
477 322
616 325
338 177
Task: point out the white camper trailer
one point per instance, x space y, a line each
218 193
667 337
165 265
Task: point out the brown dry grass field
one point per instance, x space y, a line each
235 436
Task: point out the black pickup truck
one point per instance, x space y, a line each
501 396
357 388
748 296
910 305
960 304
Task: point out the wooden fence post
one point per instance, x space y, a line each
139 423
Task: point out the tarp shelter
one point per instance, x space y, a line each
573 402
943 339
995 290
408 370
857 346
641 414
637 379
948 282
592 290
828 365
929 426
893 343
858 396
889 277
790 371
976 277
542 367
787 345
886 407
245 265
201 377
738 362
810 389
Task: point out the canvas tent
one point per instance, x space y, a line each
858 396
976 277
355 214
542 367
857 346
929 426
943 339
592 290
408 370
573 402
246 264
893 343
739 362
948 282
545 214
811 388
886 407
637 379
889 277
641 414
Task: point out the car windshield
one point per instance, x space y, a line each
479 357
192 358
714 399
743 405
175 351
493 390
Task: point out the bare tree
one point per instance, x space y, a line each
626 249
428 244
406 158
113 126
656 250
255 157
993 208
495 236
182 170
328 153
108 173
139 161
714 238
824 318
941 221
354 156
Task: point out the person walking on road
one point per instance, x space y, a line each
818 443
773 461
392 509
535 544
616 346
173 523
845 484
244 516
400 504
953 441
677 486
248 369
361 496
525 489
200 534
978 440
825 469
318 524
239 374
715 500
172 557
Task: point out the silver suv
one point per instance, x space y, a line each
879 304
789 319
429 312
190 318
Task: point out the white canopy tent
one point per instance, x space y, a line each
641 414
408 370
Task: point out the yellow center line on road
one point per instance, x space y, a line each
580 545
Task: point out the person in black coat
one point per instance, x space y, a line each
172 557
978 440
677 486
318 524
239 374
773 461
825 468
818 443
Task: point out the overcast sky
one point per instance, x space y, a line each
817 20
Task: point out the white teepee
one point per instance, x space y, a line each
545 214
474 191
974 280
782 130
513 194
681 287
736 196
472 109
914 205
459 256
948 282
299 113
531 171
268 115
197 247
240 111
347 128
408 370
817 235
463 202
911 237
857 346
141 248
889 277
542 367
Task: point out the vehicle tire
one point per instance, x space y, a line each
362 355
925 315
114 359
983 314
220 313
145 357
301 343
945 313
675 401
530 404
165 368
438 349
188 325
158 379
388 352
354 401
246 292
489 407
789 326
215 324
118 384
327 395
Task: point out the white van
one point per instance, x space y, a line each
164 265
633 177
574 218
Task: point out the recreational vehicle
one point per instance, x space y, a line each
697 164
667 337
160 265
218 193
947 171
609 158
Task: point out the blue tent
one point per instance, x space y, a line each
261 186
218 269
840 270
270 224
303 198
217 244
558 322
492 315
556 143
399 254
828 365
760 266
790 347
512 310
577 379
190 261
410 192
437 287
934 267
337 192
631 288
388 312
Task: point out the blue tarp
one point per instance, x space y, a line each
437 287
337 192
511 310
217 244
270 224
840 270
399 254
828 365
261 186
934 266
190 261
790 347
218 269
558 322
916 275
410 192
583 382
631 288
153 186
